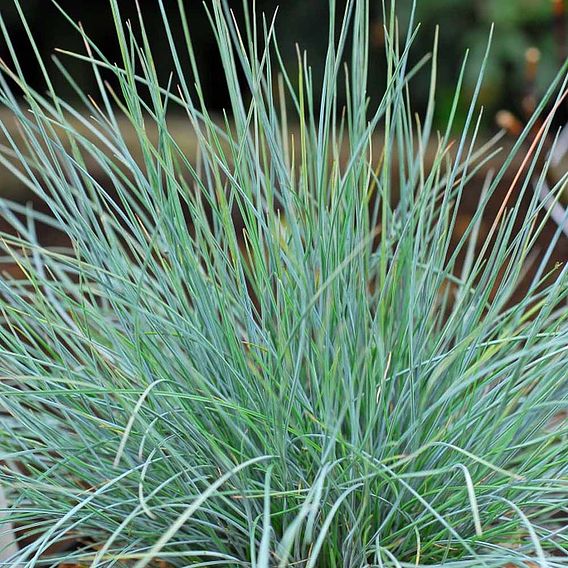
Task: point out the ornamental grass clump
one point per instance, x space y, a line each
272 353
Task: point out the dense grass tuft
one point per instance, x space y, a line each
272 354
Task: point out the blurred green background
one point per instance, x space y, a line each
464 24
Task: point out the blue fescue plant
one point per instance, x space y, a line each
272 354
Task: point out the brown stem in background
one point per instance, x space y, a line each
559 8
526 159
532 59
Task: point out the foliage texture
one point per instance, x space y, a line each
273 354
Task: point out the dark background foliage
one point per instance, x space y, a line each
519 24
